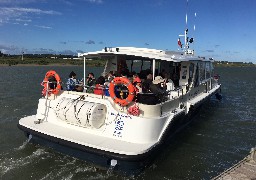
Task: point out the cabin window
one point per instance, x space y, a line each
191 70
191 73
184 73
139 66
202 70
196 80
207 70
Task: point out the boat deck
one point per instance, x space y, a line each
243 170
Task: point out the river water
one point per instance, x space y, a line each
220 135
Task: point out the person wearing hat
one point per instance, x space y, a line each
160 82
152 92
158 87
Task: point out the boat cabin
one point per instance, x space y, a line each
183 72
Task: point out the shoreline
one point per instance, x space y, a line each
89 65
25 65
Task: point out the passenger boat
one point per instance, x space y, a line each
125 129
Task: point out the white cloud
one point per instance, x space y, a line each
67 52
66 2
9 14
23 20
95 1
9 49
16 1
44 27
19 2
20 11
90 42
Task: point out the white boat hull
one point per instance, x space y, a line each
132 148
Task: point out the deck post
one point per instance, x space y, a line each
84 73
154 68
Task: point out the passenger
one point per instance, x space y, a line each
158 87
168 84
52 82
137 83
149 93
73 84
109 78
147 83
122 67
160 82
90 82
99 87
124 73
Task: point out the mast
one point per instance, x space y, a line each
185 35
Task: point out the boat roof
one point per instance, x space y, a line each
134 53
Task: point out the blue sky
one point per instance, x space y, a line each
225 29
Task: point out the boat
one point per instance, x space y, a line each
121 128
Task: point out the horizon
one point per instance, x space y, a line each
222 31
75 56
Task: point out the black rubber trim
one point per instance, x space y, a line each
99 152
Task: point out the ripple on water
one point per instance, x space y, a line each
223 135
9 164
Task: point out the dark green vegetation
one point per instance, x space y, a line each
53 59
47 60
233 64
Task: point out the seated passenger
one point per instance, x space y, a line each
73 84
99 87
52 82
90 81
147 96
110 76
158 87
124 73
137 83
160 82
147 83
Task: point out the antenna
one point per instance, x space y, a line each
194 34
195 23
186 38
187 15
186 31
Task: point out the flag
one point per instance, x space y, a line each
179 43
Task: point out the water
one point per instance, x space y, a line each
221 135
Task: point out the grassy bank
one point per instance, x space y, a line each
16 60
11 61
234 64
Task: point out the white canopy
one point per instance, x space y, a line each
143 53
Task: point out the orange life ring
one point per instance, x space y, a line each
128 84
56 90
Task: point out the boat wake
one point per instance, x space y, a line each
24 143
52 166
9 164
